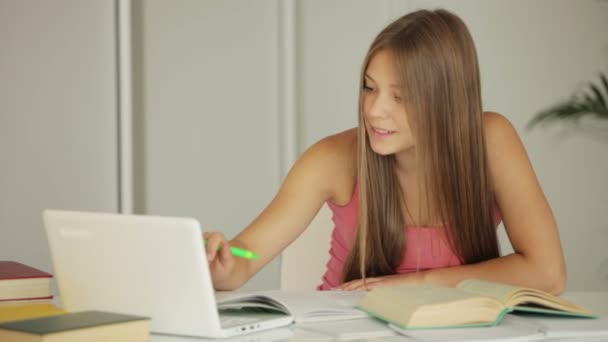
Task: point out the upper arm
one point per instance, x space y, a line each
310 182
528 219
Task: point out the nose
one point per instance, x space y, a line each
379 106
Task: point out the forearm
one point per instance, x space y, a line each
511 269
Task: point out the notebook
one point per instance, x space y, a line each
305 306
143 265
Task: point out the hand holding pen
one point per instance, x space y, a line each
240 252
221 256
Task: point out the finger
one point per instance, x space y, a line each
373 285
352 285
364 284
344 286
206 235
225 255
213 242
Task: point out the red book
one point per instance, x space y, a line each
21 282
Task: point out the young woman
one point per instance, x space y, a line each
418 188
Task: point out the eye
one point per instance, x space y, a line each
397 98
367 88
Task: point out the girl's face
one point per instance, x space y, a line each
384 111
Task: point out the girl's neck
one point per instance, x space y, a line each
406 163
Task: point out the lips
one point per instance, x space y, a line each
382 131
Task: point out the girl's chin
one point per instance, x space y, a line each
385 150
382 151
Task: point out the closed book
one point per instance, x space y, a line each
20 312
90 326
22 282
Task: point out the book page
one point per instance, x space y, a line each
514 297
531 299
420 295
233 300
431 306
308 306
502 292
319 306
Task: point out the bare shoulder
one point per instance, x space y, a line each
507 156
341 145
496 127
500 136
335 156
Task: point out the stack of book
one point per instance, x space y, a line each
27 313
21 284
25 292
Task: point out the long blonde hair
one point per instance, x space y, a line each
437 64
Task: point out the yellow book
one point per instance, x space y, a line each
471 303
14 313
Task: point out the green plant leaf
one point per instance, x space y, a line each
591 102
567 110
604 80
599 98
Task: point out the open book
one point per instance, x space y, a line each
471 303
313 306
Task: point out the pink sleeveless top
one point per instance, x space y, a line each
426 247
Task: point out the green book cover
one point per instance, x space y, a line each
69 321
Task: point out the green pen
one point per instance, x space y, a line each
243 253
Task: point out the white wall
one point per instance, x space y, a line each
57 118
208 121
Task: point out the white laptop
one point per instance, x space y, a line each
143 265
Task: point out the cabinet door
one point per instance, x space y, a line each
57 117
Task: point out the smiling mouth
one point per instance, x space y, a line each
382 131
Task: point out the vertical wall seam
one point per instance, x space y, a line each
124 106
287 101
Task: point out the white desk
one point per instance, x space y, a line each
596 301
